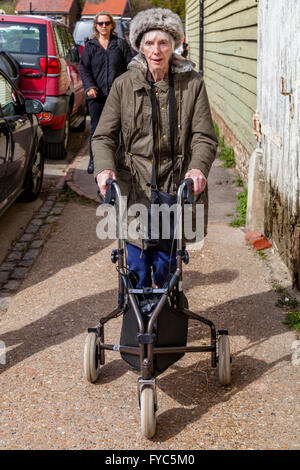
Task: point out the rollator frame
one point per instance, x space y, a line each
146 349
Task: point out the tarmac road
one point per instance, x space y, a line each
46 402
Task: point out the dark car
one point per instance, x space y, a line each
84 29
48 59
21 159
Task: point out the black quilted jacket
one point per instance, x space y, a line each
99 67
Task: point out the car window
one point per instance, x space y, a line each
83 30
8 98
119 30
65 43
61 41
25 38
73 51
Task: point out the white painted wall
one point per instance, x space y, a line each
279 56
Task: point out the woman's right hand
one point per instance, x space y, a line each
92 93
102 180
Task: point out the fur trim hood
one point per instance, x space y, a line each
152 19
178 64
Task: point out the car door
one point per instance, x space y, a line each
19 129
4 147
72 57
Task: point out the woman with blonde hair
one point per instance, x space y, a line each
104 58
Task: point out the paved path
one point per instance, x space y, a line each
47 404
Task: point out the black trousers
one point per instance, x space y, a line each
96 106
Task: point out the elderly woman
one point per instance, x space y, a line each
155 33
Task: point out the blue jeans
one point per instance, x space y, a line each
151 258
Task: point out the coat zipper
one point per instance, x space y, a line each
159 142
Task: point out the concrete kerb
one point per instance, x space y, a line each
69 177
26 249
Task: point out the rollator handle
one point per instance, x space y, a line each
110 197
188 191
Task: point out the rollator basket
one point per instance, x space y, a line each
170 329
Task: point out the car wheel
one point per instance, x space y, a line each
58 150
34 178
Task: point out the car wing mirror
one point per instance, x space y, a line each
33 106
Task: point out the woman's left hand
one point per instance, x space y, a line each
199 180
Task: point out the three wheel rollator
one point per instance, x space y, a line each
155 322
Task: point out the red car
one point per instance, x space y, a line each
49 71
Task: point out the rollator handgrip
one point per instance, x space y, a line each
188 191
110 196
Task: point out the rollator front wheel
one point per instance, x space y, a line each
224 364
91 362
148 417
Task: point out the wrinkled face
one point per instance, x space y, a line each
105 26
157 48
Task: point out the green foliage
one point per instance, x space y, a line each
291 305
178 6
239 182
278 288
286 301
67 194
8 6
217 132
262 254
221 142
292 319
241 209
227 155
140 5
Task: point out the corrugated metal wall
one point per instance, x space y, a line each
230 63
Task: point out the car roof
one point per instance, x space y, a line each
29 19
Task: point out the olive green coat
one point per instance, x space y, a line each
128 109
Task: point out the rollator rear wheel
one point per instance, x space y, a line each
91 362
224 360
148 418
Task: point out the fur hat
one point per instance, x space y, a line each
155 18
